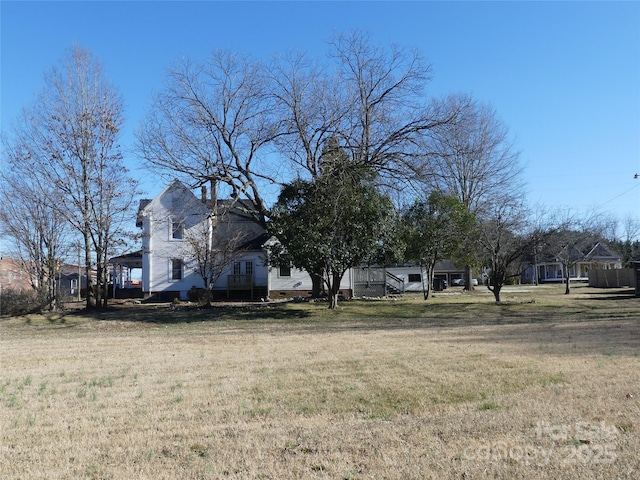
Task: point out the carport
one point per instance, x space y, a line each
123 283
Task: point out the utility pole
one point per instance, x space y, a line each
79 284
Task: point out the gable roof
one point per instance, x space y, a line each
601 252
194 203
238 209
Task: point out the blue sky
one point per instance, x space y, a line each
564 76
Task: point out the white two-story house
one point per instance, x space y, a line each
177 226
170 267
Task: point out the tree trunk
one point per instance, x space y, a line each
208 287
468 283
567 288
429 272
317 284
495 285
334 289
102 298
50 283
87 268
496 292
426 292
333 301
99 282
208 297
104 277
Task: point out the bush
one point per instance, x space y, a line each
13 302
197 295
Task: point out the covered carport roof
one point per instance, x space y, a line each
131 260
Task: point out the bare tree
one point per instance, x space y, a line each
211 122
368 103
630 228
308 107
211 247
68 140
506 239
628 244
382 91
37 230
472 158
574 236
111 209
223 119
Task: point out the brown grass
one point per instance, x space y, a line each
543 386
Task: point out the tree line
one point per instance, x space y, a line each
369 168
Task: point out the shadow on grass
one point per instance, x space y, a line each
462 314
604 294
178 314
609 337
405 313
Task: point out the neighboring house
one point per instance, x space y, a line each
552 270
14 275
403 278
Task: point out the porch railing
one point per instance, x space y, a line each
239 281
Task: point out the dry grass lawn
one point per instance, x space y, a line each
543 386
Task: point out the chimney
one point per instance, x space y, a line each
203 189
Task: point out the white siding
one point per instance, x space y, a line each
177 204
300 281
403 273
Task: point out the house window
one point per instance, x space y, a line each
176 269
236 268
248 268
415 277
285 270
177 230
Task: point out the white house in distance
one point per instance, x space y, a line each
599 256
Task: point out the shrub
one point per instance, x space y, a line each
14 302
197 295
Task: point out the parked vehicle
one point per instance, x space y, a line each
459 282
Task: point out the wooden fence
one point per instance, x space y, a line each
614 278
